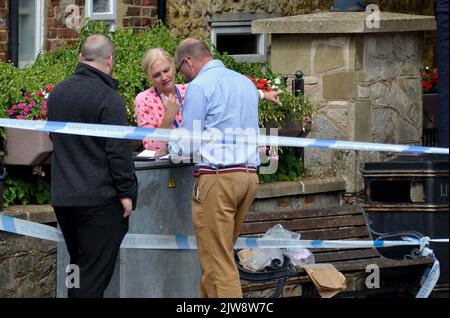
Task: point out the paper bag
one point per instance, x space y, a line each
327 279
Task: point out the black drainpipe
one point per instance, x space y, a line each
161 11
13 34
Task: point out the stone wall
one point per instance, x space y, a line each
366 89
3 30
365 86
192 17
27 265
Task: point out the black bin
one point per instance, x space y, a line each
410 193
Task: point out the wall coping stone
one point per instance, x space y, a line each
344 22
34 212
303 186
45 214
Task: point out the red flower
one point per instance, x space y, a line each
430 79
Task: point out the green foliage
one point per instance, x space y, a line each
297 108
19 190
53 67
290 167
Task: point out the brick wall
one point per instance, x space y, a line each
137 14
58 31
3 30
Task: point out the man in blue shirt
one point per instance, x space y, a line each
220 103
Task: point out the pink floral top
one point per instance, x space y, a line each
149 111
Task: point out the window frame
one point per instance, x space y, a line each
39 29
109 18
241 23
241 28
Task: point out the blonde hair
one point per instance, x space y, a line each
153 55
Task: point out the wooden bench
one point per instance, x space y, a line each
397 276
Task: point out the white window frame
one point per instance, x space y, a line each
109 17
241 27
38 33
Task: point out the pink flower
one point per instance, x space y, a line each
10 112
20 117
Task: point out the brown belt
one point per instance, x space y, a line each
220 170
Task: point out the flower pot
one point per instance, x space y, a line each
291 129
430 110
430 120
27 147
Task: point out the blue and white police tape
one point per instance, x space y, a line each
135 133
187 242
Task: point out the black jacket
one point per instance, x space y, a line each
89 171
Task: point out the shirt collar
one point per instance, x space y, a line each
211 64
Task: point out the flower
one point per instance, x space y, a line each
32 106
429 80
261 83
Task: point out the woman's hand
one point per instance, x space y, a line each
171 108
161 153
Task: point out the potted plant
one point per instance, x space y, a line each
292 118
27 147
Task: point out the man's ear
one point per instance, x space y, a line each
80 57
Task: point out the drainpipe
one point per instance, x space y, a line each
161 10
442 38
13 34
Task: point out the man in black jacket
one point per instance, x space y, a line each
94 187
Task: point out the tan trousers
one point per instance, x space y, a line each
219 203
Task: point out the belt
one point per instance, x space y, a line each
220 170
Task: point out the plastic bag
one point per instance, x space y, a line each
260 258
298 255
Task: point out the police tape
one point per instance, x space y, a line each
138 133
188 242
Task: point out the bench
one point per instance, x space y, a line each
397 276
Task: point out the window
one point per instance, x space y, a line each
31 30
232 33
102 10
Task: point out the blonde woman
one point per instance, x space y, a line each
160 106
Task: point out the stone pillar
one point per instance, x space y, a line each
363 78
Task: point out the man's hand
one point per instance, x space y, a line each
273 97
161 153
127 206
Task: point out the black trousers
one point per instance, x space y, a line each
93 236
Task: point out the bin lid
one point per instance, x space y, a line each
411 162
